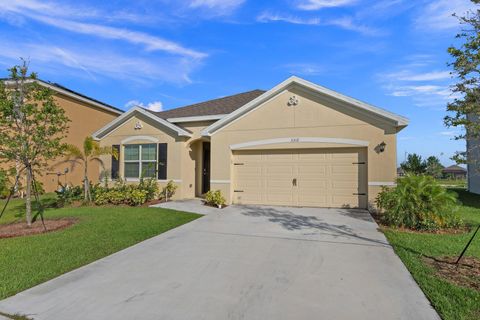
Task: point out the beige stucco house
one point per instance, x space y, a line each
86 115
297 144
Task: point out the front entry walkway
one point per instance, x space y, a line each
241 263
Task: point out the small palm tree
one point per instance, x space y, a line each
92 151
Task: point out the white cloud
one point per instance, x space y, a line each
49 8
449 133
304 68
93 62
153 106
437 15
52 14
271 17
416 79
406 91
346 23
320 4
218 7
427 76
151 43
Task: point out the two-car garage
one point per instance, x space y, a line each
326 177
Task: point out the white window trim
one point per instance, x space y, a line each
381 183
220 181
133 138
158 180
139 161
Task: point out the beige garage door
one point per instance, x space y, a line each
310 177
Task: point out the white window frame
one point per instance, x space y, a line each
140 161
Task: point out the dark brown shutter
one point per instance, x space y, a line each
116 162
162 161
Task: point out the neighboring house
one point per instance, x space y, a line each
454 172
86 115
298 144
400 172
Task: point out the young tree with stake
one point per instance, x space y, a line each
32 127
464 111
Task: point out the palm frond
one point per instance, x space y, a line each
74 152
89 145
99 161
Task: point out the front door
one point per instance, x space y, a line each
206 168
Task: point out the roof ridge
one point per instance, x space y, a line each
221 105
211 100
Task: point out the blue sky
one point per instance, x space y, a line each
168 53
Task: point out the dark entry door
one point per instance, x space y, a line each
206 167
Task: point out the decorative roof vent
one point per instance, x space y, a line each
292 101
138 125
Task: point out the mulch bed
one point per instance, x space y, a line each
20 229
152 202
466 273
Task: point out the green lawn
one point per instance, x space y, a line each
28 261
451 301
457 183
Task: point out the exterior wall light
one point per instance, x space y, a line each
381 147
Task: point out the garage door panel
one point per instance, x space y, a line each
249 171
311 171
273 171
279 157
306 156
248 156
324 177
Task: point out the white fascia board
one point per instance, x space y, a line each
401 121
71 94
397 119
196 118
97 135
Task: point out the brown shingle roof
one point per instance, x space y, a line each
223 105
454 168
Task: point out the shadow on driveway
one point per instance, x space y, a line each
291 221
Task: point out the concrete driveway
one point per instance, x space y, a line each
241 263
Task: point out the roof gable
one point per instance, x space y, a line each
107 129
390 118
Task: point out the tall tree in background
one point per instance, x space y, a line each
464 111
32 127
414 164
434 167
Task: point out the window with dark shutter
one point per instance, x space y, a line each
116 162
162 161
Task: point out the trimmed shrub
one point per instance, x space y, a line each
67 194
136 197
150 186
215 198
418 202
123 193
169 190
